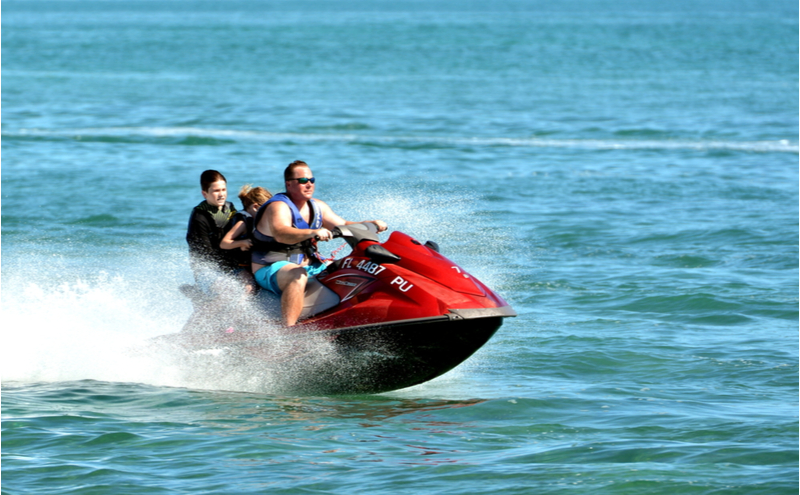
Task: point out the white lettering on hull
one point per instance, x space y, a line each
402 284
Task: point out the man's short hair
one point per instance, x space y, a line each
209 177
289 172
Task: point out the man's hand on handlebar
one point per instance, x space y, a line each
381 225
324 234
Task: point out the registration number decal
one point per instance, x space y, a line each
364 266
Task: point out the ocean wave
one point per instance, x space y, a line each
194 136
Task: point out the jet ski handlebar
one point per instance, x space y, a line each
355 233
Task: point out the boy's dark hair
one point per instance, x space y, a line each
289 172
209 177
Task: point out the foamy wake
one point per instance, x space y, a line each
101 329
76 331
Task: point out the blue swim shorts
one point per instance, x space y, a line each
267 277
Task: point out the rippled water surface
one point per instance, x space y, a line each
625 174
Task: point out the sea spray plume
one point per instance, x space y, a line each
467 227
244 347
101 328
464 225
77 331
254 356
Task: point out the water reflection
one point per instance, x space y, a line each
351 430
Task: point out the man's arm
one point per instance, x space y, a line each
229 242
278 219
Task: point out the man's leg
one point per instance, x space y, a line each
292 281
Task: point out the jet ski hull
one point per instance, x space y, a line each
406 354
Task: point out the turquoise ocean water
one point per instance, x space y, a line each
624 173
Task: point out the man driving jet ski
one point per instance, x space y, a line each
283 255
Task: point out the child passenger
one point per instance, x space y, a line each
208 224
239 236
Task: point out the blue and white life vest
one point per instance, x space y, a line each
267 250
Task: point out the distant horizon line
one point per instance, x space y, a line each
763 146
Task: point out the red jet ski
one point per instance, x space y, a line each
389 315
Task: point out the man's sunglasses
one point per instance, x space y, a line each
305 180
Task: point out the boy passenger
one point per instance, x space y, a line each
208 224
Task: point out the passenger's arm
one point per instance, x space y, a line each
228 241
